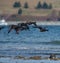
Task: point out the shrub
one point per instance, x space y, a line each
45 5
50 6
16 5
39 6
26 5
20 11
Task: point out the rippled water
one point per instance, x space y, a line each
30 42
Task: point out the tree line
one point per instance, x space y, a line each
43 6
38 6
18 4
26 6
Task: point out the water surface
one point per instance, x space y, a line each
30 43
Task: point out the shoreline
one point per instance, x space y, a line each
37 22
30 58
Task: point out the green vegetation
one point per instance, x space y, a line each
16 5
26 5
39 6
20 11
36 11
43 6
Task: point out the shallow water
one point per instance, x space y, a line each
8 60
30 42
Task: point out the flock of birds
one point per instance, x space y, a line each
24 26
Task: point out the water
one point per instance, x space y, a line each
30 42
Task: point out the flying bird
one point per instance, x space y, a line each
41 29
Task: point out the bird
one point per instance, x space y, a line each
15 27
41 29
24 26
52 56
20 27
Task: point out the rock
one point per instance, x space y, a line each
53 57
19 57
35 57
